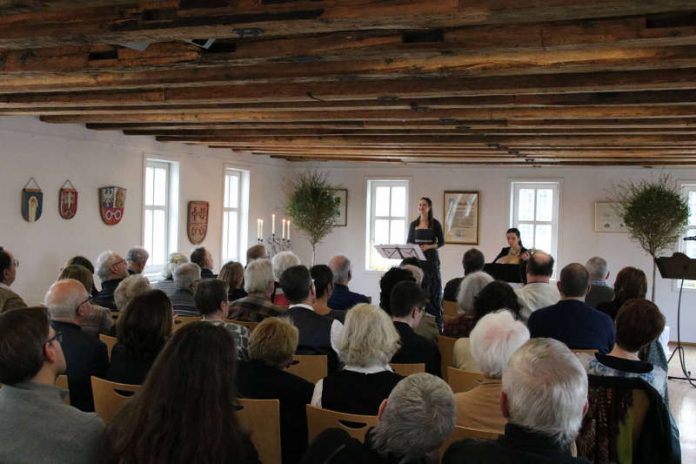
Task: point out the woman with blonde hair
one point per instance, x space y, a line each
368 342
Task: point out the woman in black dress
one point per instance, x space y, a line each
426 232
515 252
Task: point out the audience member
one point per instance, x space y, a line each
98 320
68 302
538 292
390 278
282 261
470 286
495 296
638 323
271 346
259 285
167 285
202 257
211 302
183 418
408 302
111 269
323 287
143 329
571 320
342 298
318 334
8 271
630 283
129 288
87 264
137 259
428 327
368 343
472 261
35 423
414 421
186 277
544 399
255 252
232 273
600 291
493 341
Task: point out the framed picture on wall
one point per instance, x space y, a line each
342 218
461 217
608 218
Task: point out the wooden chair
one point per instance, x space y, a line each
355 425
311 367
408 369
446 346
460 433
181 321
461 381
449 310
262 419
110 396
248 324
109 341
62 382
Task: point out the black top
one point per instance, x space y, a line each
85 356
315 334
105 297
357 393
625 365
257 380
610 308
207 274
343 299
335 446
506 251
417 349
452 289
426 236
518 446
236 293
126 368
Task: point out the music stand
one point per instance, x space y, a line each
680 267
506 272
408 250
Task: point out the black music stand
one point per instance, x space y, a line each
506 272
680 267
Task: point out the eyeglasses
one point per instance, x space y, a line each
58 336
88 300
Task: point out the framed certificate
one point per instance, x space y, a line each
461 217
607 217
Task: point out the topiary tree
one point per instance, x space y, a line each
312 206
655 214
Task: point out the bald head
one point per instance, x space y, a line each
340 266
539 267
67 300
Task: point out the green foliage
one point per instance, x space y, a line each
312 205
655 213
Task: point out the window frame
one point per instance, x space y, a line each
170 208
371 218
686 186
242 211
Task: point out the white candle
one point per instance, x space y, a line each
261 235
272 224
282 236
288 230
258 229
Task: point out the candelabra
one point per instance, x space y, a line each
275 245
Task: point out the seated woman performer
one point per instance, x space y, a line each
515 253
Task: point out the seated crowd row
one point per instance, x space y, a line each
535 392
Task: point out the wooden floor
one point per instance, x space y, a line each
682 402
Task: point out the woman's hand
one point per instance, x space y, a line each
425 247
524 256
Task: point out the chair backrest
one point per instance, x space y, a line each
446 346
590 352
355 425
181 321
449 309
248 324
311 367
262 419
460 433
408 369
461 381
109 341
109 397
62 382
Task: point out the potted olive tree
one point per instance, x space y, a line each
313 206
655 214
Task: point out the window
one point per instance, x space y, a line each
234 216
160 212
535 213
387 206
688 247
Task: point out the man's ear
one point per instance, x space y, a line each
504 407
50 353
83 310
382 407
558 286
585 408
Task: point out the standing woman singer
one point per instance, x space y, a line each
426 232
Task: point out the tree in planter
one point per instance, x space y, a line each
655 214
313 206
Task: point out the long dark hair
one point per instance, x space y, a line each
322 277
185 411
430 211
516 231
146 324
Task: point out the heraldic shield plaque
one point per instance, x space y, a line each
112 202
67 201
197 223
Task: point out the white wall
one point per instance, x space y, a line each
92 159
577 241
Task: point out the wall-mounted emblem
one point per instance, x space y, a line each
67 201
197 222
32 201
112 202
